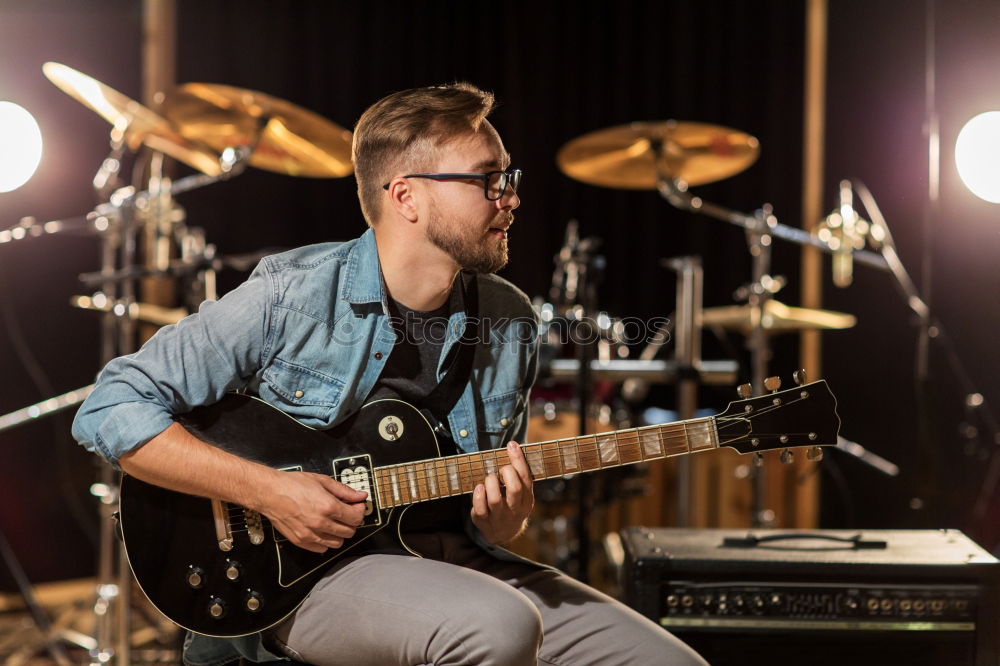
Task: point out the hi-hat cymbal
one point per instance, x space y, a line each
138 124
626 156
285 138
778 318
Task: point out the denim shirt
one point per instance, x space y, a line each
308 332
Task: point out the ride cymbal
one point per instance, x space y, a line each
138 124
284 137
637 155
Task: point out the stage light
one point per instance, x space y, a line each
20 146
977 155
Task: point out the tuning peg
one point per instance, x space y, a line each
758 459
744 391
787 456
814 454
772 383
799 376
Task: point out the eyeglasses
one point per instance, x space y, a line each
494 182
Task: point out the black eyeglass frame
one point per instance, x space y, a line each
512 178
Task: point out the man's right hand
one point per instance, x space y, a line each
313 511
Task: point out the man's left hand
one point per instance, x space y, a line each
500 512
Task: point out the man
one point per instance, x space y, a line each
319 331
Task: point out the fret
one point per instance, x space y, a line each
687 438
590 454
570 459
423 480
411 478
383 500
607 446
431 477
651 438
536 461
453 482
554 464
489 465
674 447
630 452
702 437
394 482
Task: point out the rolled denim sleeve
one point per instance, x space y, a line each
191 363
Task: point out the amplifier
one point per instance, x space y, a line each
915 597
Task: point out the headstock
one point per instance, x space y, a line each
804 416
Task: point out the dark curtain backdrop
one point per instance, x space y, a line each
559 70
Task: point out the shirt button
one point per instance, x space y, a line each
378 356
299 394
463 433
504 421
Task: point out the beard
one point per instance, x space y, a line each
472 247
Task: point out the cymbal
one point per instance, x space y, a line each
778 318
625 156
286 138
138 124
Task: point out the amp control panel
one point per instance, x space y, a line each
819 605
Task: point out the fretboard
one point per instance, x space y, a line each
424 480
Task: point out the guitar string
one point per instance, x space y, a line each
473 467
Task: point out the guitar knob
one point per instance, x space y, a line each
799 376
233 570
772 383
253 601
787 456
744 391
216 608
814 454
195 577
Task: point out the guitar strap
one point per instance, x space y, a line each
439 403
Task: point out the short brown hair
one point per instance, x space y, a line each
392 132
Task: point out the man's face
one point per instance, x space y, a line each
463 222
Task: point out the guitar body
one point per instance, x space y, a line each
173 539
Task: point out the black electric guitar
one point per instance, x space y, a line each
222 570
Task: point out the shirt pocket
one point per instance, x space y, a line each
303 393
500 415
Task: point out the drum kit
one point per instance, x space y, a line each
155 270
588 366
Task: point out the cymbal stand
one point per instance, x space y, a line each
123 218
761 230
687 351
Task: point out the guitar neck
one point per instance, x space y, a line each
435 478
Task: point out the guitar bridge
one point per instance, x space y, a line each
356 472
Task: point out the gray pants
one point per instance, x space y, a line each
459 605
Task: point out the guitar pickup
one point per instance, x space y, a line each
356 472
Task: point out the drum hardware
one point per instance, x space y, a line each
669 157
252 129
776 318
657 371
